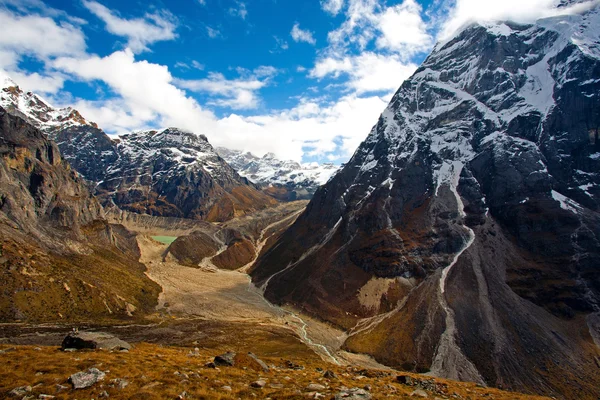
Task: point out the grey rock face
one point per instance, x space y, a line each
463 237
94 340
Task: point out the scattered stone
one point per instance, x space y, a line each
225 360
46 397
82 380
419 393
367 388
405 380
37 348
315 395
210 365
182 396
69 350
315 387
290 365
195 353
61 388
259 362
119 383
8 350
276 386
353 394
227 388
20 391
104 395
330 375
259 384
93 340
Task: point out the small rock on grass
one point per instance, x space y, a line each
353 394
82 380
329 375
315 387
259 384
419 393
225 360
20 391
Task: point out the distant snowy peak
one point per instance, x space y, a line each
302 179
36 110
174 147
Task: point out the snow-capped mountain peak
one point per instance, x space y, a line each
302 180
38 111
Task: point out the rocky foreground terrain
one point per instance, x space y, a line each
463 237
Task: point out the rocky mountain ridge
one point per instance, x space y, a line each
285 180
462 238
167 172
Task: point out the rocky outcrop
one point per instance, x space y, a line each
462 239
59 257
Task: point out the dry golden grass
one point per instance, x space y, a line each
156 372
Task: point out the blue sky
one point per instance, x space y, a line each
303 79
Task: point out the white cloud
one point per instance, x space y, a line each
145 91
368 72
213 33
300 35
239 10
280 45
403 30
333 7
140 32
468 11
235 93
38 37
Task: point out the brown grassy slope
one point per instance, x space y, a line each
41 285
156 372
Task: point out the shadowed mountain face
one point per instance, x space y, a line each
169 172
462 238
59 258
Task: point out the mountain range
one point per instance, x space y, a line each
167 172
284 180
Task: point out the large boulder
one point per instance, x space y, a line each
94 340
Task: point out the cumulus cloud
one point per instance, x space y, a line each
237 94
300 35
333 7
140 32
368 72
467 11
40 38
403 29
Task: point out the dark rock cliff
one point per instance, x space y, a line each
463 237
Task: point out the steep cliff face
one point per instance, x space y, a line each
168 172
462 238
59 258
